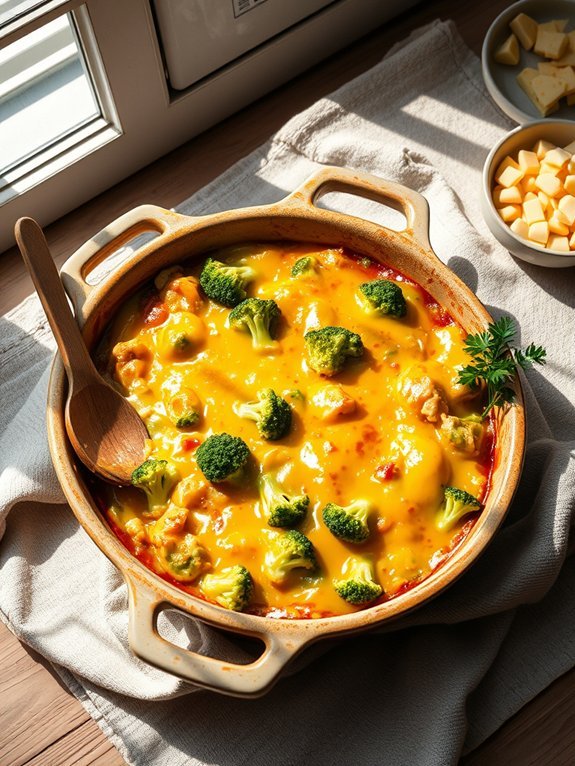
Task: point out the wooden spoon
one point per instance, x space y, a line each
106 432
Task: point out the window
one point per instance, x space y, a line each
84 98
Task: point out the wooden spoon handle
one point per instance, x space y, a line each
38 259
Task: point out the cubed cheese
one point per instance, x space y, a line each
550 44
511 195
547 67
526 30
544 200
510 176
520 228
548 90
557 157
557 242
510 212
569 184
557 226
545 167
542 147
567 207
567 75
528 162
558 25
539 232
508 52
533 211
548 184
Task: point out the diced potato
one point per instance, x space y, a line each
557 157
508 52
528 184
545 167
511 195
572 241
525 28
530 195
532 211
544 200
567 207
548 184
510 212
556 242
552 45
571 163
539 232
520 228
569 184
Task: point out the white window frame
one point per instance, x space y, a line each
142 121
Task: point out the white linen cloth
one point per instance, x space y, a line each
448 676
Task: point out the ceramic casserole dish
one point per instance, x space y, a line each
179 238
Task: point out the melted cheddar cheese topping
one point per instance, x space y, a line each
381 430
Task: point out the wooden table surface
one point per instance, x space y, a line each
41 722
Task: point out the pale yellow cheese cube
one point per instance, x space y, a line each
530 195
526 30
567 207
528 162
557 157
550 44
548 184
567 59
569 184
567 75
558 25
548 90
557 226
528 184
510 212
542 147
533 211
547 67
544 200
556 242
520 228
508 52
510 176
561 215
511 195
525 81
539 232
552 170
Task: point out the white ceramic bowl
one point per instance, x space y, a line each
559 132
500 79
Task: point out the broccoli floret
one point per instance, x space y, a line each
189 419
456 503
184 559
304 266
260 318
281 509
224 283
329 348
156 478
231 588
349 522
222 457
358 585
271 413
289 550
383 297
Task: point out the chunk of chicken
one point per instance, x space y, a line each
426 396
330 402
133 360
465 434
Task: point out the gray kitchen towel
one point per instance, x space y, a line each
446 677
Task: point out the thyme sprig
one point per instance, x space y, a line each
495 362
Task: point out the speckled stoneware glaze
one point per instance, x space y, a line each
180 237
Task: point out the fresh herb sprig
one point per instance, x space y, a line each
495 362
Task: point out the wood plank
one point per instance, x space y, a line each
84 748
35 708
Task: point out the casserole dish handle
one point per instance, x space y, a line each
236 680
335 179
145 218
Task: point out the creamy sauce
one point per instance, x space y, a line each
384 450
